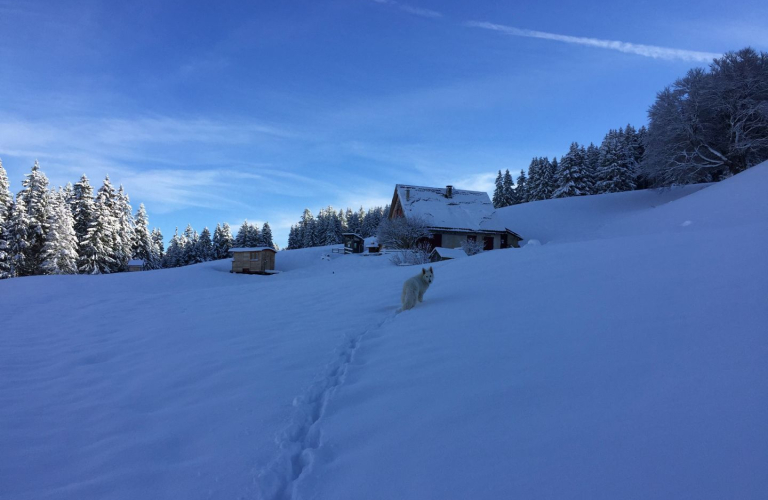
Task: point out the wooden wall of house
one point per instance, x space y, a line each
242 260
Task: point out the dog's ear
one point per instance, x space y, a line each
423 271
430 269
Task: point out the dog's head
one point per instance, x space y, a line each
427 275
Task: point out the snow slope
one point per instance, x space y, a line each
623 358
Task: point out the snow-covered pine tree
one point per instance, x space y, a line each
570 176
59 253
510 197
6 198
307 228
292 239
190 253
266 236
617 171
205 246
96 252
532 183
34 193
125 230
143 246
498 192
591 166
227 241
241 239
82 211
521 190
342 221
14 240
174 256
158 246
554 168
253 237
68 195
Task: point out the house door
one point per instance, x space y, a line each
437 240
488 243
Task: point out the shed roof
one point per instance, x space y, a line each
252 249
135 262
352 234
463 211
372 241
449 253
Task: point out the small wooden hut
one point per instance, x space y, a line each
372 244
135 265
353 243
254 260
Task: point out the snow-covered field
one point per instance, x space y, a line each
623 357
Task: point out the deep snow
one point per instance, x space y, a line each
624 357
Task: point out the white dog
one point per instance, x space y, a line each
414 288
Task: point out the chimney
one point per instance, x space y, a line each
449 191
407 194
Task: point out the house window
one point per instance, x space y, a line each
254 255
504 243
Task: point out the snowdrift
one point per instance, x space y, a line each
624 357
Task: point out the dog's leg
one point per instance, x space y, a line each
421 296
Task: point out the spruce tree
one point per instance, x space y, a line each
143 246
158 247
174 256
617 171
6 198
266 236
125 230
205 246
59 253
190 247
591 167
96 254
307 228
241 240
226 241
570 176
521 190
34 194
498 192
508 187
15 242
82 211
554 168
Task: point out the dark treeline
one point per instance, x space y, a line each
329 225
705 127
72 230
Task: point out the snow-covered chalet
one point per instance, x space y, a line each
454 216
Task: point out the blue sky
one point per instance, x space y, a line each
221 111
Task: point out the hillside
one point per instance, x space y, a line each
624 357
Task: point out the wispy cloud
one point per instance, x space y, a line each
410 9
630 48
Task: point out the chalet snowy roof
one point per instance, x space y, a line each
463 211
449 253
135 262
372 241
252 249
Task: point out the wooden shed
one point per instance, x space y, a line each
353 243
372 244
254 260
135 265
